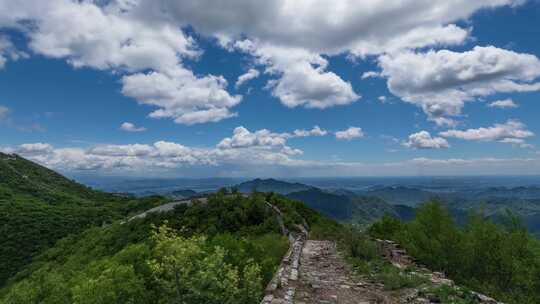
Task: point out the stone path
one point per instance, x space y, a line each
326 278
167 207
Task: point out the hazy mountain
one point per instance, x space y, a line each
270 185
399 195
532 192
349 207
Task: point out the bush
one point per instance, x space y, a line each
503 262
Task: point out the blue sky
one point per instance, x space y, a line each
74 72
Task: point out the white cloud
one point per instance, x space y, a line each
131 37
129 127
503 104
424 140
316 131
122 150
440 82
243 138
34 148
382 99
250 74
333 26
513 132
144 39
350 133
518 142
8 51
371 74
168 157
302 76
102 37
182 96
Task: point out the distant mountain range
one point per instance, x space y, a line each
364 207
349 204
400 195
271 185
340 204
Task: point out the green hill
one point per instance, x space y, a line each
349 207
39 206
222 250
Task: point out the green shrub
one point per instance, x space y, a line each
501 261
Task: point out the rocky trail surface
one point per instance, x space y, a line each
325 278
167 207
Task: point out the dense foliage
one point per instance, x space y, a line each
501 260
39 206
221 251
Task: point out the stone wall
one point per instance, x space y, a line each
399 258
282 287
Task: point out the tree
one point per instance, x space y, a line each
187 273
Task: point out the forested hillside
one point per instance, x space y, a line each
222 251
39 206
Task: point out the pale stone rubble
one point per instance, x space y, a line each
325 278
399 258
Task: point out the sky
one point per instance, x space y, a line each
281 88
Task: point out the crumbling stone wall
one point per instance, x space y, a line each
393 252
282 287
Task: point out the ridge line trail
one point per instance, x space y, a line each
326 278
314 272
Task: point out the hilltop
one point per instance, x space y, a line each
38 207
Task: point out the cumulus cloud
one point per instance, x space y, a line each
350 133
331 26
162 157
512 132
242 138
131 37
303 79
503 104
102 37
292 51
316 131
8 51
382 99
129 127
440 82
34 148
250 74
180 95
144 39
371 74
424 140
122 150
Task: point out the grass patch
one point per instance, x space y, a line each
394 278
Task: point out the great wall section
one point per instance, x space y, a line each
314 271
